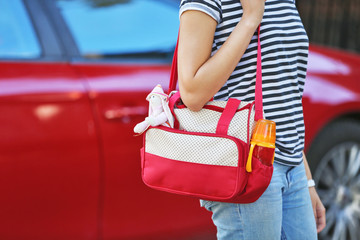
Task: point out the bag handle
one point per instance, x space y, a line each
258 85
227 115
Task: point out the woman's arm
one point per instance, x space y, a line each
318 207
202 76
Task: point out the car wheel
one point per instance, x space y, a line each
334 157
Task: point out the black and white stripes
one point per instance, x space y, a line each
284 61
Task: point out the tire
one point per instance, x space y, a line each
334 158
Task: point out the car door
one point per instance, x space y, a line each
49 158
125 51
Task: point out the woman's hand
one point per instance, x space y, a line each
319 210
318 207
253 11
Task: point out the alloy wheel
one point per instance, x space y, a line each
338 185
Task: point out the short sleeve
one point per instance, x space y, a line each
210 7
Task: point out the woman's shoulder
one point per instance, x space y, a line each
210 7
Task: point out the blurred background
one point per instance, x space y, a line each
334 23
74 75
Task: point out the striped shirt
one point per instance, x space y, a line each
284 45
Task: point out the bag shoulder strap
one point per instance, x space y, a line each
258 85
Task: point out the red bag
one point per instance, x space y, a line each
206 153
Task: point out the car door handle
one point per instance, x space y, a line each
125 113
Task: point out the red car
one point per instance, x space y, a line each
73 81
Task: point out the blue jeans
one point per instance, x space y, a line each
284 211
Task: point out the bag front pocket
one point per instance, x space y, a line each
205 165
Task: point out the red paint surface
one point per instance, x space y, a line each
332 89
49 158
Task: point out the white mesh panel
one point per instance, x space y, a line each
238 126
191 148
206 120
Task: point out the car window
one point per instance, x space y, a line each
120 28
17 36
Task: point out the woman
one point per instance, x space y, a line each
217 58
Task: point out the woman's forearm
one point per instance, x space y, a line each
201 76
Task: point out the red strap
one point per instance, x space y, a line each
227 115
173 100
258 85
174 69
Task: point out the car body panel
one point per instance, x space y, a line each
332 88
49 152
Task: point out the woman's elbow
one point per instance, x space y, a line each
191 94
194 107
191 101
